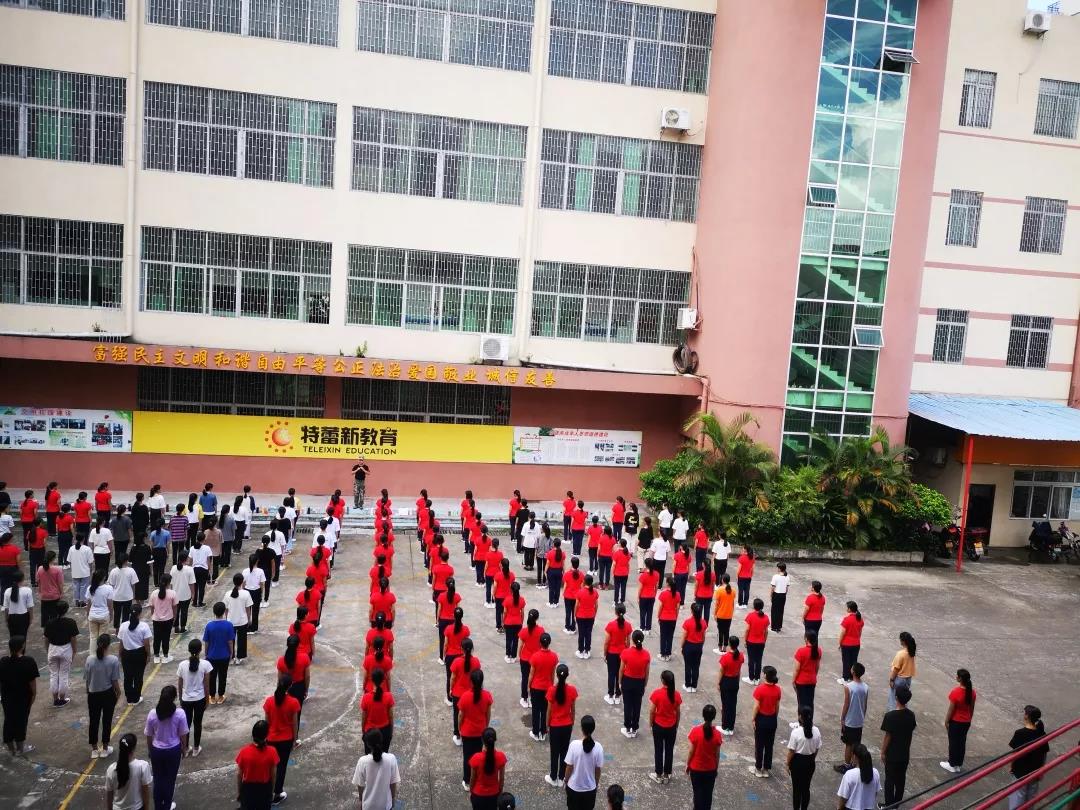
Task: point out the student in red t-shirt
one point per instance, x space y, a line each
568 505
693 643
680 562
513 616
618 517
766 707
616 637
670 601
851 627
701 547
488 772
595 531
282 712
814 609
556 560
704 588
297 666
256 764
541 675
620 569
561 698
380 630
730 667
103 502
311 598
377 659
577 526
53 500
306 631
455 633
804 675
65 534
958 720
572 583
474 715
607 548
585 614
377 708
745 574
757 633
703 759
529 637
27 513
479 556
382 601
648 582
36 543
504 578
440 572
465 509
492 562
634 663
445 605
83 515
664 720
460 678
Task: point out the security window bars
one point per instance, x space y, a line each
1029 341
624 43
230 275
1044 225
434 156
420 401
243 393
977 98
950 332
1059 104
313 22
485 33
230 134
965 208
421 289
60 261
608 304
628 176
61 116
102 9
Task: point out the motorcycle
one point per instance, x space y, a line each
1070 543
948 540
1044 542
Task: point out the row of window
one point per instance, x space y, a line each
1029 339
311 21
1057 110
1045 495
1042 231
102 9
245 393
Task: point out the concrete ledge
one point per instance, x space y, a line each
841 555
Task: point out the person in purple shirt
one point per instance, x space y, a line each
166 739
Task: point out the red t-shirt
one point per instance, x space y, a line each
618 512
572 583
513 615
768 697
607 545
454 639
515 507
307 635
635 662
257 766
962 711
473 712
586 603
370 665
9 555
339 508
386 635
64 522
37 538
694 634
440 572
577 520
383 603
756 625
460 677
701 539
299 669
620 562
480 548
543 664
816 602
705 750
487 784
281 718
681 562
493 561
376 712
808 667
103 500
595 532
52 501
746 566
310 600
568 505
28 510
853 630
321 572
561 714
669 605
616 640
703 590
447 605
530 642
648 582
502 585
82 510
386 551
666 715
553 563
731 665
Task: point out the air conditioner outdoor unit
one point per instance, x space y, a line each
1036 22
675 118
687 318
494 348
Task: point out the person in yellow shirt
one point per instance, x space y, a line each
723 609
903 667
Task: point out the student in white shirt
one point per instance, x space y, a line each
584 759
277 544
376 776
238 604
665 518
123 580
200 555
100 541
803 747
128 780
100 612
680 528
778 592
254 579
183 582
530 535
192 681
81 561
721 550
859 786
659 549
18 602
135 637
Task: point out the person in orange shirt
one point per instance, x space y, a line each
723 610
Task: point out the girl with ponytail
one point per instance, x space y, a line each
584 761
616 638
445 605
282 713
958 720
670 602
730 666
562 699
254 579
488 772
704 757
101 673
135 638
529 637
374 660
238 607
460 679
306 631
634 663
383 601
851 627
166 733
860 784
803 747
763 718
664 719
648 583
193 683
377 771
256 765
903 668
704 588
693 642
163 603
504 580
723 610
379 630
454 634
513 612
18 602
814 608
127 781
311 598
805 674
1031 761
586 604
616 796
297 666
474 714
556 561
377 708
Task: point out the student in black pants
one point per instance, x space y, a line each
766 706
899 726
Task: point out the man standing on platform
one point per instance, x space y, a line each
360 472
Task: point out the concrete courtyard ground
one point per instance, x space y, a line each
1013 626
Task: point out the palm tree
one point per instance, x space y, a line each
725 462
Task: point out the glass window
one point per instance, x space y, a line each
965 209
313 22
1058 108
977 98
1029 341
950 332
102 9
245 393
1044 225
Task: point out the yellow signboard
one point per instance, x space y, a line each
299 437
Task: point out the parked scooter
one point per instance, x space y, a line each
1070 543
949 538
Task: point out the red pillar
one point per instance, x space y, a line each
968 454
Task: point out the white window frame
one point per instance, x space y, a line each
965 213
977 98
950 334
1057 109
1052 480
1043 225
1026 333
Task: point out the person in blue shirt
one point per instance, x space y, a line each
220 638
208 500
159 548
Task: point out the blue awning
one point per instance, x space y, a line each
1034 419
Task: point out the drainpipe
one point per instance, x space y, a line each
135 10
969 452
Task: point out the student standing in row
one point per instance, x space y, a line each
757 633
488 774
745 575
62 636
730 667
803 747
282 713
163 604
65 534
723 610
81 562
474 714
99 614
238 608
122 580
664 719
860 785
851 627
693 642
958 720
156 504
670 602
721 550
183 582
584 761
805 674
648 583
256 764
178 524
644 543
853 714
778 589
159 549
562 699
899 727
219 636
1030 762
541 678
101 673
101 542
9 560
192 680
128 780
166 732
766 707
703 759
135 636
18 690
903 668
120 526
616 638
376 776
813 608
36 550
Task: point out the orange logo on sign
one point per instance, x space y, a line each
278 437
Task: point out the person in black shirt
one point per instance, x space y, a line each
140 517
18 688
1031 761
899 727
360 472
61 633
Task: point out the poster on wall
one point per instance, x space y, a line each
64 429
580 447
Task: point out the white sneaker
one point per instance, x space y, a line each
157 659
550 781
106 752
753 769
535 737
568 631
508 659
465 785
626 733
560 783
747 680
657 778
523 703
196 750
716 651
948 767
618 700
438 660
841 681
609 700
587 655
457 740
765 774
94 753
168 659
579 654
448 701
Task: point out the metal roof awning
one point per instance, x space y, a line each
1032 419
